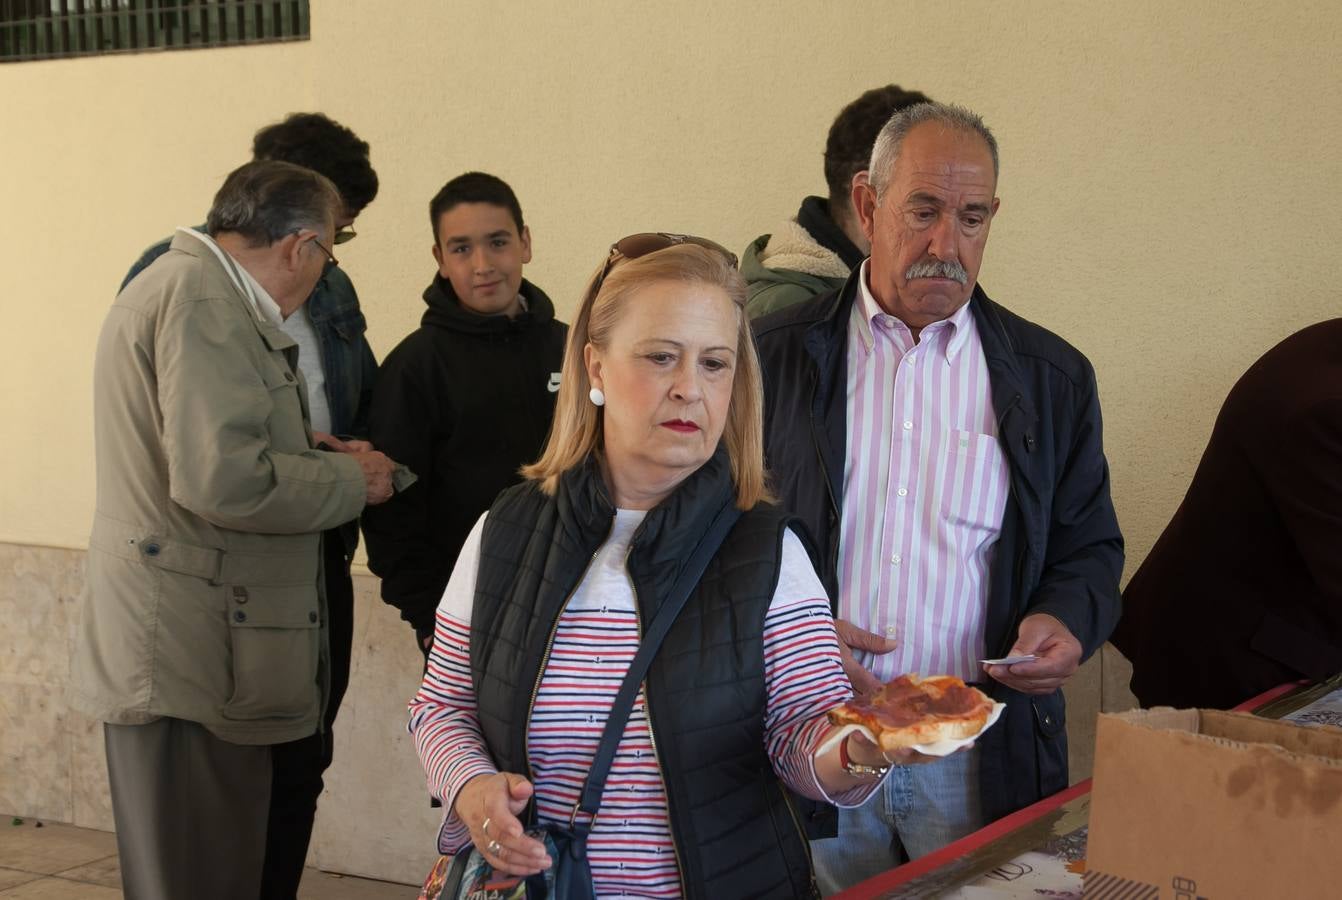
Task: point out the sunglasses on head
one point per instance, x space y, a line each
646 242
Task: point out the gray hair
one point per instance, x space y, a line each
264 201
885 152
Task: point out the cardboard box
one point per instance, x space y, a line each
1193 804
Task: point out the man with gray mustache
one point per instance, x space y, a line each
945 456
936 269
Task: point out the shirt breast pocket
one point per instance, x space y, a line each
973 481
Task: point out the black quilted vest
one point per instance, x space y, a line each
735 833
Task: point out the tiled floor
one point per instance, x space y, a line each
61 862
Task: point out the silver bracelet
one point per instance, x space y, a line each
857 770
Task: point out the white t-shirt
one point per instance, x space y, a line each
299 327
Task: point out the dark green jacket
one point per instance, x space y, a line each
775 289
806 256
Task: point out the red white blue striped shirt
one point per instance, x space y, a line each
925 488
630 849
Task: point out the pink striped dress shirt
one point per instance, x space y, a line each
925 488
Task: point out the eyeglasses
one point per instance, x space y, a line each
646 242
343 235
329 254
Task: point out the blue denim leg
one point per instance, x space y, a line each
943 804
917 810
866 845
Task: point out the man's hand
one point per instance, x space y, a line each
377 469
323 441
853 638
1059 655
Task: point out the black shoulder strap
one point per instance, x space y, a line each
652 640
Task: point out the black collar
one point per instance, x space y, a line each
669 532
815 217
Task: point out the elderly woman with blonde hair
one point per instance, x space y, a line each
650 493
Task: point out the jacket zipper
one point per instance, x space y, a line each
1001 418
545 659
819 454
801 833
652 737
1008 639
831 553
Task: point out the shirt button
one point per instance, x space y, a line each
908 425
890 630
903 492
896 559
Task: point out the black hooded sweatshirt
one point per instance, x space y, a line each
464 401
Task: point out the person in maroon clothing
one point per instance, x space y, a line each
1243 591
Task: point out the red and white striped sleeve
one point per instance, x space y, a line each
803 675
443 718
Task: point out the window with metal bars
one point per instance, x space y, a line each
52 29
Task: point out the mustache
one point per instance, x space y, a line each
936 268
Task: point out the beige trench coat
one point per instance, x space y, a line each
203 596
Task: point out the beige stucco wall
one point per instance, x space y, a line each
1170 178
1169 185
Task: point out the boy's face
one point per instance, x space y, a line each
480 252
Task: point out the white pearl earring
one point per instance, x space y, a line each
597 396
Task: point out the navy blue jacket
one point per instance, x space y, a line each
1060 551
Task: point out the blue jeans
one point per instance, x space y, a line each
917 810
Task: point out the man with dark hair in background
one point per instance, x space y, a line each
339 368
816 251
467 398
202 644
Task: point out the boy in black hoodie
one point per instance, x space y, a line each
464 400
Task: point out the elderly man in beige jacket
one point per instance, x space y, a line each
202 639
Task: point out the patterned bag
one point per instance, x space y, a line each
467 876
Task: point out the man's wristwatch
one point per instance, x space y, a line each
858 770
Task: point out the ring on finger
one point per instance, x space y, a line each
485 827
495 848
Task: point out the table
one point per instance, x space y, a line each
1040 851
